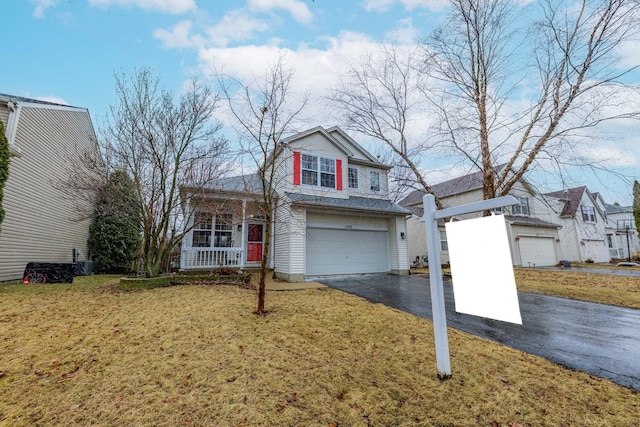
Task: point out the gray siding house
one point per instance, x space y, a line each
42 219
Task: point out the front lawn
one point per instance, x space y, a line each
91 354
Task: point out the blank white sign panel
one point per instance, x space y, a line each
481 269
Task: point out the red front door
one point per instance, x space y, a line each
254 243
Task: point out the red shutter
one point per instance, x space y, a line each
296 168
338 174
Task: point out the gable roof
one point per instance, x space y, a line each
321 130
336 130
571 197
454 186
358 203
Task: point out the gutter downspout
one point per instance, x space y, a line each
12 125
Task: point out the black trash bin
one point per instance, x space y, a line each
49 272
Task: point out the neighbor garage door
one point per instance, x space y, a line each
537 250
346 250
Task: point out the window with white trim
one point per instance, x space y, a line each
317 170
522 208
353 177
374 181
205 228
444 244
201 235
223 231
588 213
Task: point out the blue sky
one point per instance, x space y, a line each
68 50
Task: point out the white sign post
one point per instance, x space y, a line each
431 217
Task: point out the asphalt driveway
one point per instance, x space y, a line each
599 339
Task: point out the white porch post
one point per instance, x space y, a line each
186 239
244 233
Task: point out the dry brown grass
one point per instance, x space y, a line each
89 354
602 288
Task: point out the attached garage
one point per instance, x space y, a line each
346 245
539 251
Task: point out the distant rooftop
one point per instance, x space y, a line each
33 100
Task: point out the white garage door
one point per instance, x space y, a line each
343 251
537 250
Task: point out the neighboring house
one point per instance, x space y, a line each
41 222
622 235
583 217
333 214
533 236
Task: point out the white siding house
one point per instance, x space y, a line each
533 235
42 222
333 214
583 236
622 234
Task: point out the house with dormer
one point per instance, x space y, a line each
532 230
582 213
333 214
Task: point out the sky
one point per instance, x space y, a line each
68 51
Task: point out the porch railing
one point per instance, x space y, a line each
212 257
616 253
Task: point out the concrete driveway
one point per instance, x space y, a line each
599 339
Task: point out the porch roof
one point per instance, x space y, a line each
529 221
352 203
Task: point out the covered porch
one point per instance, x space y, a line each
223 234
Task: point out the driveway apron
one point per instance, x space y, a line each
599 339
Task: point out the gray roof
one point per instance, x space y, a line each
32 100
529 221
352 203
618 209
571 197
451 187
236 184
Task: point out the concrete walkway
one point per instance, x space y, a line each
599 339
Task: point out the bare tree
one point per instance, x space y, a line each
574 78
378 99
164 144
265 111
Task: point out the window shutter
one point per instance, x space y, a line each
338 174
296 168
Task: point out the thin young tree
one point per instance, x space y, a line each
575 80
163 143
265 111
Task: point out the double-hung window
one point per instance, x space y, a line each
374 181
588 213
522 208
317 170
202 230
353 178
223 230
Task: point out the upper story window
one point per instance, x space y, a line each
317 170
624 224
353 177
374 181
588 213
522 208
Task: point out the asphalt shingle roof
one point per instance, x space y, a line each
358 203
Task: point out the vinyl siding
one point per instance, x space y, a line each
42 223
289 244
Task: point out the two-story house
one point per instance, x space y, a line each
332 216
43 221
534 238
583 217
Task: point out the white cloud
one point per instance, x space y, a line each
176 37
165 6
382 6
405 33
41 6
51 98
236 26
297 9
